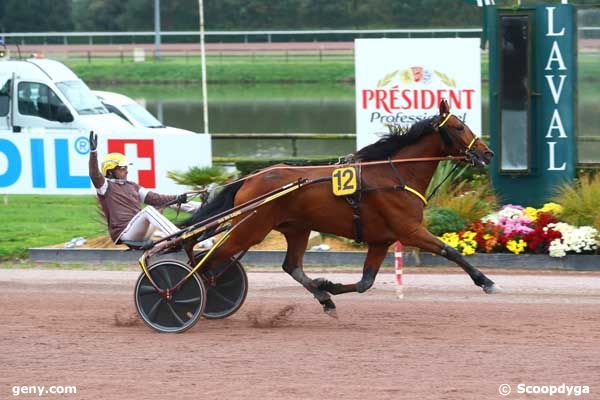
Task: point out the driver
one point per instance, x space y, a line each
120 200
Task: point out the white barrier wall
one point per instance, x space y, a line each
44 162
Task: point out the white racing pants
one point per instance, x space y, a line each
150 222
145 224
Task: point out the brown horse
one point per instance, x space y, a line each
391 207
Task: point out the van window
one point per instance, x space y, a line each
143 116
4 98
38 100
81 97
115 110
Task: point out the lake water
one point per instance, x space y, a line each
290 109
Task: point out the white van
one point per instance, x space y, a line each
133 112
40 93
46 113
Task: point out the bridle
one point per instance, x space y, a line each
469 151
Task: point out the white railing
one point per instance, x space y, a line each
584 31
245 33
356 32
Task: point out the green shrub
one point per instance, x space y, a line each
471 200
197 177
581 201
440 220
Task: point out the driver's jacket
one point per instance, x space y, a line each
120 200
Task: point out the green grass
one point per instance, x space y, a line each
38 221
247 70
234 91
32 221
27 264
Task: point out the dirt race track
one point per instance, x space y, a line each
445 340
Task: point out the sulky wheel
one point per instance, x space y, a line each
170 315
226 289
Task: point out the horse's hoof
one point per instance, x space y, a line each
491 289
329 308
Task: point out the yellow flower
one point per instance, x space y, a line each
530 213
469 235
468 250
553 208
451 239
516 246
467 245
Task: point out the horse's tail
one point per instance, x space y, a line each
222 202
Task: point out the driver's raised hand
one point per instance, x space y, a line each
93 141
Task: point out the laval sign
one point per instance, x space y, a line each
43 162
402 81
533 100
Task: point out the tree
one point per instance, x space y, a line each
101 15
35 15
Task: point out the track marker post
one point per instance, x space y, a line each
398 263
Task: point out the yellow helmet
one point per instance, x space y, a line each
113 160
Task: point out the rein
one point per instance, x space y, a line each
434 191
355 164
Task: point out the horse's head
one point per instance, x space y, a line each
458 138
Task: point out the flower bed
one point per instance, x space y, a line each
516 229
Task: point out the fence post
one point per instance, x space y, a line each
398 264
89 57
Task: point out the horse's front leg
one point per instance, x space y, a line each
375 256
424 240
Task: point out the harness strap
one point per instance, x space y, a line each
356 221
445 120
354 201
416 193
472 143
397 173
403 185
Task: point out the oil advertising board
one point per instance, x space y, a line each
49 162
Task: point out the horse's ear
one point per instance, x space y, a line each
444 107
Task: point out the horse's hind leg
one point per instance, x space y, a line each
297 241
375 256
426 241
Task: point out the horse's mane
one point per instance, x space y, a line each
390 143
